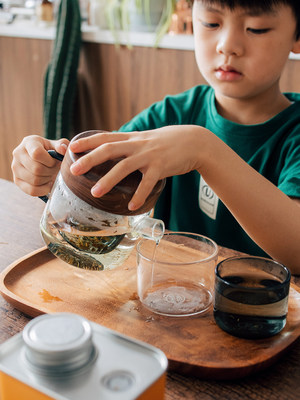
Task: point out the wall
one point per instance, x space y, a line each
113 86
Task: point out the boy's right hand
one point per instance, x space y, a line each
34 170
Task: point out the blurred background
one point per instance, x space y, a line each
130 54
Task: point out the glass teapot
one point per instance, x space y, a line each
95 233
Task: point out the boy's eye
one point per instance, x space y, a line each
258 31
209 25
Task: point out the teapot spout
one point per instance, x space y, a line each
150 228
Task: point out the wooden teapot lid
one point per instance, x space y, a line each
116 201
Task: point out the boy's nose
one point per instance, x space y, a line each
230 44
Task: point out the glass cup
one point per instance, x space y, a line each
251 296
175 277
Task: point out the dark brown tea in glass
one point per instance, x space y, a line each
251 296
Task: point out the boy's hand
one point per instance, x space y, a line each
159 153
34 170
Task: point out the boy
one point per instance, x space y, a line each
231 148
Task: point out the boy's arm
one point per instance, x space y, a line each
270 217
296 200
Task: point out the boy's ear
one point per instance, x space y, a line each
296 47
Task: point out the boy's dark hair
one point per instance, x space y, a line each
261 6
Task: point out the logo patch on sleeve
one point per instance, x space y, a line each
208 200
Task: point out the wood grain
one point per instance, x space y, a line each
116 84
19 235
113 86
22 66
41 283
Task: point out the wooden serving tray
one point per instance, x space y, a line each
41 283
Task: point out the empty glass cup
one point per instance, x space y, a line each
176 275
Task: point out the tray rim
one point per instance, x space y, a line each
10 296
202 371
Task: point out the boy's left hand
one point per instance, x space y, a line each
159 153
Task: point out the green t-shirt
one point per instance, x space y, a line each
272 148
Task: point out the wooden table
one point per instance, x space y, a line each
19 235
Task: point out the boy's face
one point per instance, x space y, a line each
239 54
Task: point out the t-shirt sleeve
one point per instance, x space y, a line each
289 179
150 118
176 109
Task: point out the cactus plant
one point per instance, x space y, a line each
61 74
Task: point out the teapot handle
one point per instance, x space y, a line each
57 156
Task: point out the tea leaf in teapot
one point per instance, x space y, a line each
95 244
77 260
92 244
80 226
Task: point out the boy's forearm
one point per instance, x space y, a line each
270 218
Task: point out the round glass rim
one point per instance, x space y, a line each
209 258
246 288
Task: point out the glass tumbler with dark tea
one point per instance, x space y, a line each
251 296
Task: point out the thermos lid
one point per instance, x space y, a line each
116 201
58 343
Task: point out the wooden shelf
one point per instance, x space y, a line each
32 30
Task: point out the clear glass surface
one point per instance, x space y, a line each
175 276
251 296
89 238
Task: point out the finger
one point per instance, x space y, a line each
91 142
122 169
37 149
60 146
39 154
143 191
21 159
32 190
36 167
20 172
108 151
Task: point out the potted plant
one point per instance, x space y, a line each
140 15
